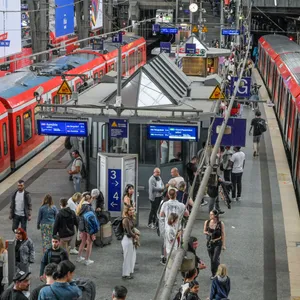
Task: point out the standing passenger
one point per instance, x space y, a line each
225 162
215 232
45 221
76 171
129 250
119 293
127 198
237 162
20 207
3 266
220 287
156 187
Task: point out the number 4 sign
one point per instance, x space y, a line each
114 190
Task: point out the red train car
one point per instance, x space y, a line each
279 65
4 143
18 100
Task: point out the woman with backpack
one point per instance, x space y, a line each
220 287
64 287
215 233
87 220
128 241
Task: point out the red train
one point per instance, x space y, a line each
18 138
279 65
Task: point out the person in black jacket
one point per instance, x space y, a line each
192 246
64 224
55 254
20 207
20 290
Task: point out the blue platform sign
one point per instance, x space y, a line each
190 48
114 190
230 32
155 27
97 44
117 38
168 30
238 132
244 90
118 128
165 47
64 17
62 128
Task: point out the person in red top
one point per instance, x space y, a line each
235 109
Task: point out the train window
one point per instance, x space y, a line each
131 60
27 121
96 76
101 74
78 84
5 143
56 99
19 131
123 65
140 56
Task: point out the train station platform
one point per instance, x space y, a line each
261 229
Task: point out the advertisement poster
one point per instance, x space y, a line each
10 30
96 14
64 17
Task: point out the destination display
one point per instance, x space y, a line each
168 30
172 132
62 128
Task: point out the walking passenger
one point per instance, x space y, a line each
192 247
259 126
215 234
220 287
55 254
20 207
86 238
129 250
76 171
3 266
64 225
237 162
48 274
45 221
20 289
24 250
63 287
156 188
127 197
225 163
119 293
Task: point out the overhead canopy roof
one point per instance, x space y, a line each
159 82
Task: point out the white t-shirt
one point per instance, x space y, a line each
172 206
238 162
178 179
72 204
76 163
19 208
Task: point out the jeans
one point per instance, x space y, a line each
214 254
17 220
214 203
77 184
236 179
153 212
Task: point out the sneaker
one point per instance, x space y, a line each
80 259
73 251
238 199
204 203
88 262
163 261
221 212
150 226
153 227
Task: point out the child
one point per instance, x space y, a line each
170 233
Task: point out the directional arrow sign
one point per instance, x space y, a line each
116 183
114 190
113 204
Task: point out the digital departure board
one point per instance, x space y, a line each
168 30
172 132
62 127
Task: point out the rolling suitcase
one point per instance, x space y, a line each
104 235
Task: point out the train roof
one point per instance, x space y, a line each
19 82
281 44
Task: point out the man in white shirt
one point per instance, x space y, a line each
175 176
20 207
237 162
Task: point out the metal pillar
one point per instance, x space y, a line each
222 37
176 13
11 260
119 92
237 19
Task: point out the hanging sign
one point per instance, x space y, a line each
64 89
215 95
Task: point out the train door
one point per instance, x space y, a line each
290 118
280 90
296 147
267 76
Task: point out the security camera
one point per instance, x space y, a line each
38 92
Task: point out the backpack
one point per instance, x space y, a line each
83 171
68 144
117 226
261 126
92 224
87 287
